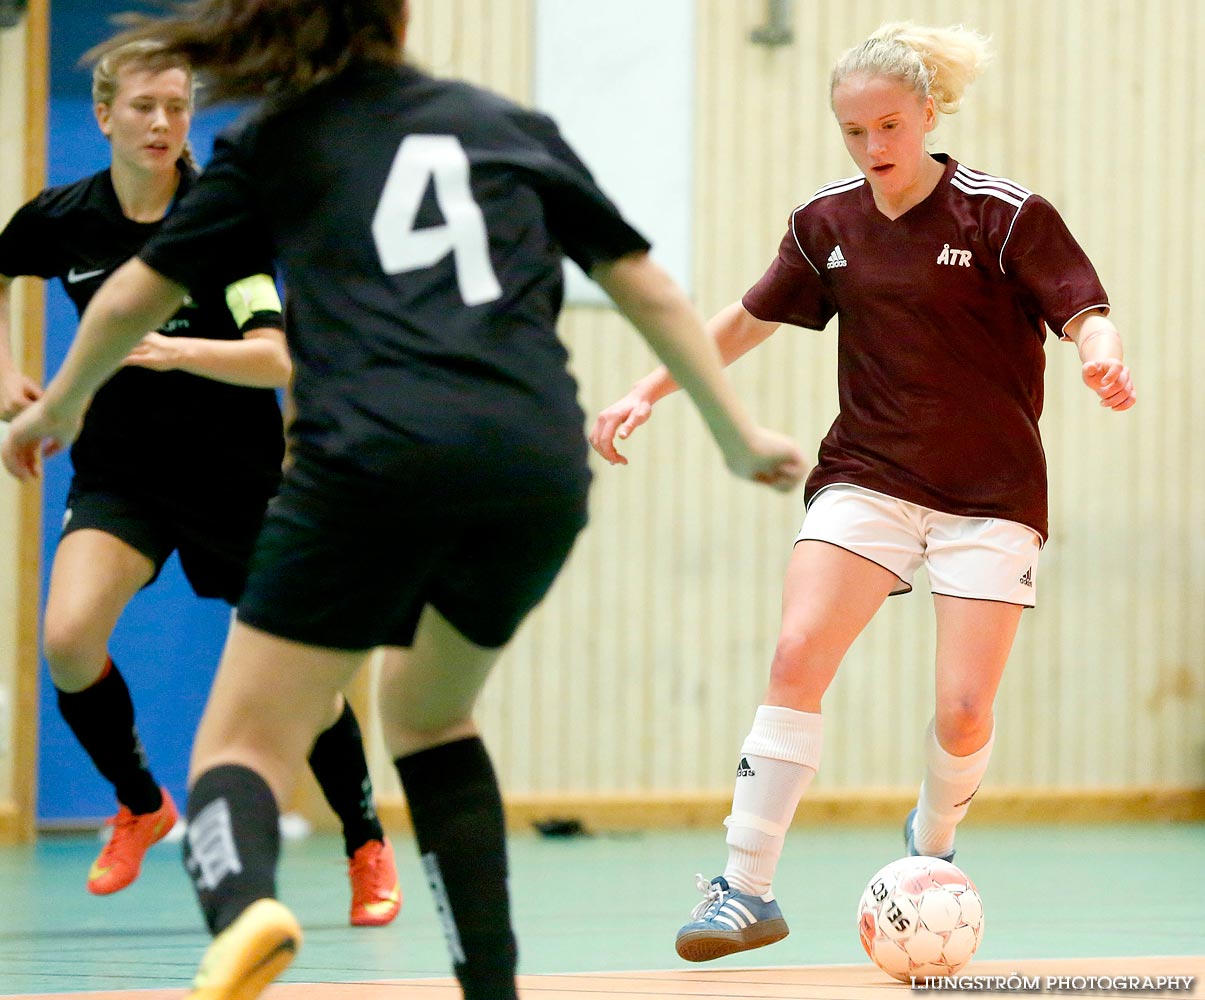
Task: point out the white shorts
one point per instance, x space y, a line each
979 558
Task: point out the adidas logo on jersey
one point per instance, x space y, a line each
836 258
743 770
1026 578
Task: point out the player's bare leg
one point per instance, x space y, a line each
427 693
93 578
829 596
974 639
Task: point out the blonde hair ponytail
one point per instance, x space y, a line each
936 62
189 158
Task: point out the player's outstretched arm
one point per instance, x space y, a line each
734 331
659 309
133 300
1100 353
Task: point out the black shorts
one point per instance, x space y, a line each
215 547
351 570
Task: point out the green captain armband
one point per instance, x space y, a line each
252 297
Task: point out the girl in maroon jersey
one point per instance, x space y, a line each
943 280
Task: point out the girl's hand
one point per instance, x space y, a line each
17 391
618 421
1110 379
156 352
770 458
35 432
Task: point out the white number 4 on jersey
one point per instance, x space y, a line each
440 160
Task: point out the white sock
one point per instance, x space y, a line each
945 794
779 758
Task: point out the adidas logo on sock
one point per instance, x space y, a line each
836 258
743 770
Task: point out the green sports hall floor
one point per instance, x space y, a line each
610 903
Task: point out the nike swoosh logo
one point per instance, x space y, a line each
74 276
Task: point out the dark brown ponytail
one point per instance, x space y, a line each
253 48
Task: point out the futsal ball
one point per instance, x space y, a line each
920 917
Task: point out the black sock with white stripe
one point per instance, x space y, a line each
456 808
102 718
233 842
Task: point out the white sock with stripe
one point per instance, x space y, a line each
779 758
945 794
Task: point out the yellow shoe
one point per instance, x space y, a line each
248 955
133 834
376 895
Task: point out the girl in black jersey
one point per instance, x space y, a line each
439 475
944 280
180 450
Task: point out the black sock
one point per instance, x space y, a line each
338 763
102 718
232 843
457 813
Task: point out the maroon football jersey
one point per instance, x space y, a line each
942 316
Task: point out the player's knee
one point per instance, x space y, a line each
73 654
963 725
795 650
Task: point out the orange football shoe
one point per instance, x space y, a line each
133 834
376 896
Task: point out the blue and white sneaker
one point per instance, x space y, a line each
728 921
910 839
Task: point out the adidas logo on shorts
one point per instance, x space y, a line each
1026 578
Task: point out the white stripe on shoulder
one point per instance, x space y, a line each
977 183
835 187
828 190
979 175
974 183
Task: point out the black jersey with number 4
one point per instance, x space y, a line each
420 226
169 434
